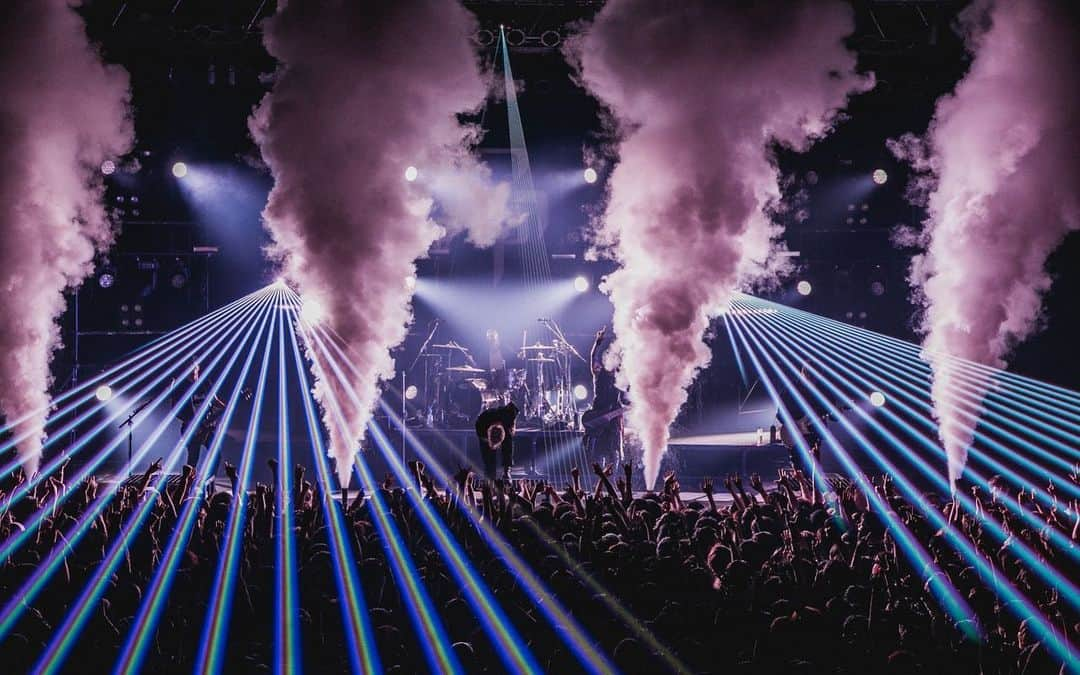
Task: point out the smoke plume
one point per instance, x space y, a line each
63 112
364 90
700 91
998 171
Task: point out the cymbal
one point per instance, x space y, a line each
541 359
538 347
465 369
450 345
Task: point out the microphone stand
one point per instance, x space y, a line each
130 424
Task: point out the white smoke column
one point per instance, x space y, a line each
700 90
63 112
1000 169
363 91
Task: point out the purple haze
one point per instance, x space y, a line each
700 91
63 112
999 173
363 91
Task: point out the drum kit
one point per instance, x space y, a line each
452 389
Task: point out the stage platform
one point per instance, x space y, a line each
539 454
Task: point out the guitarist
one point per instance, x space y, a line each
603 420
804 419
186 415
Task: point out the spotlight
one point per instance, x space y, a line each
590 175
411 173
581 392
179 276
877 288
581 284
879 176
107 277
108 167
515 37
179 169
804 287
877 399
280 282
103 393
410 282
410 392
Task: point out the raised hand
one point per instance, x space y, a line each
462 475
755 481
597 469
155 467
707 486
575 472
230 470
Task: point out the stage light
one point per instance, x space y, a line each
515 37
877 399
590 175
804 287
410 282
179 169
108 167
280 282
411 173
410 392
107 278
581 392
880 176
581 284
877 288
179 276
103 393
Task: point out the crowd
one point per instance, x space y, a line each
755 579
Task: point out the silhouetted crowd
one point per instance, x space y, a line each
745 578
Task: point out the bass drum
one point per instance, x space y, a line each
466 401
516 379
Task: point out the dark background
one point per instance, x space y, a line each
197 70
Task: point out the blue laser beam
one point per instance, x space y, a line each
363 657
219 612
1042 627
58 649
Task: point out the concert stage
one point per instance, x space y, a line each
716 455
538 453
